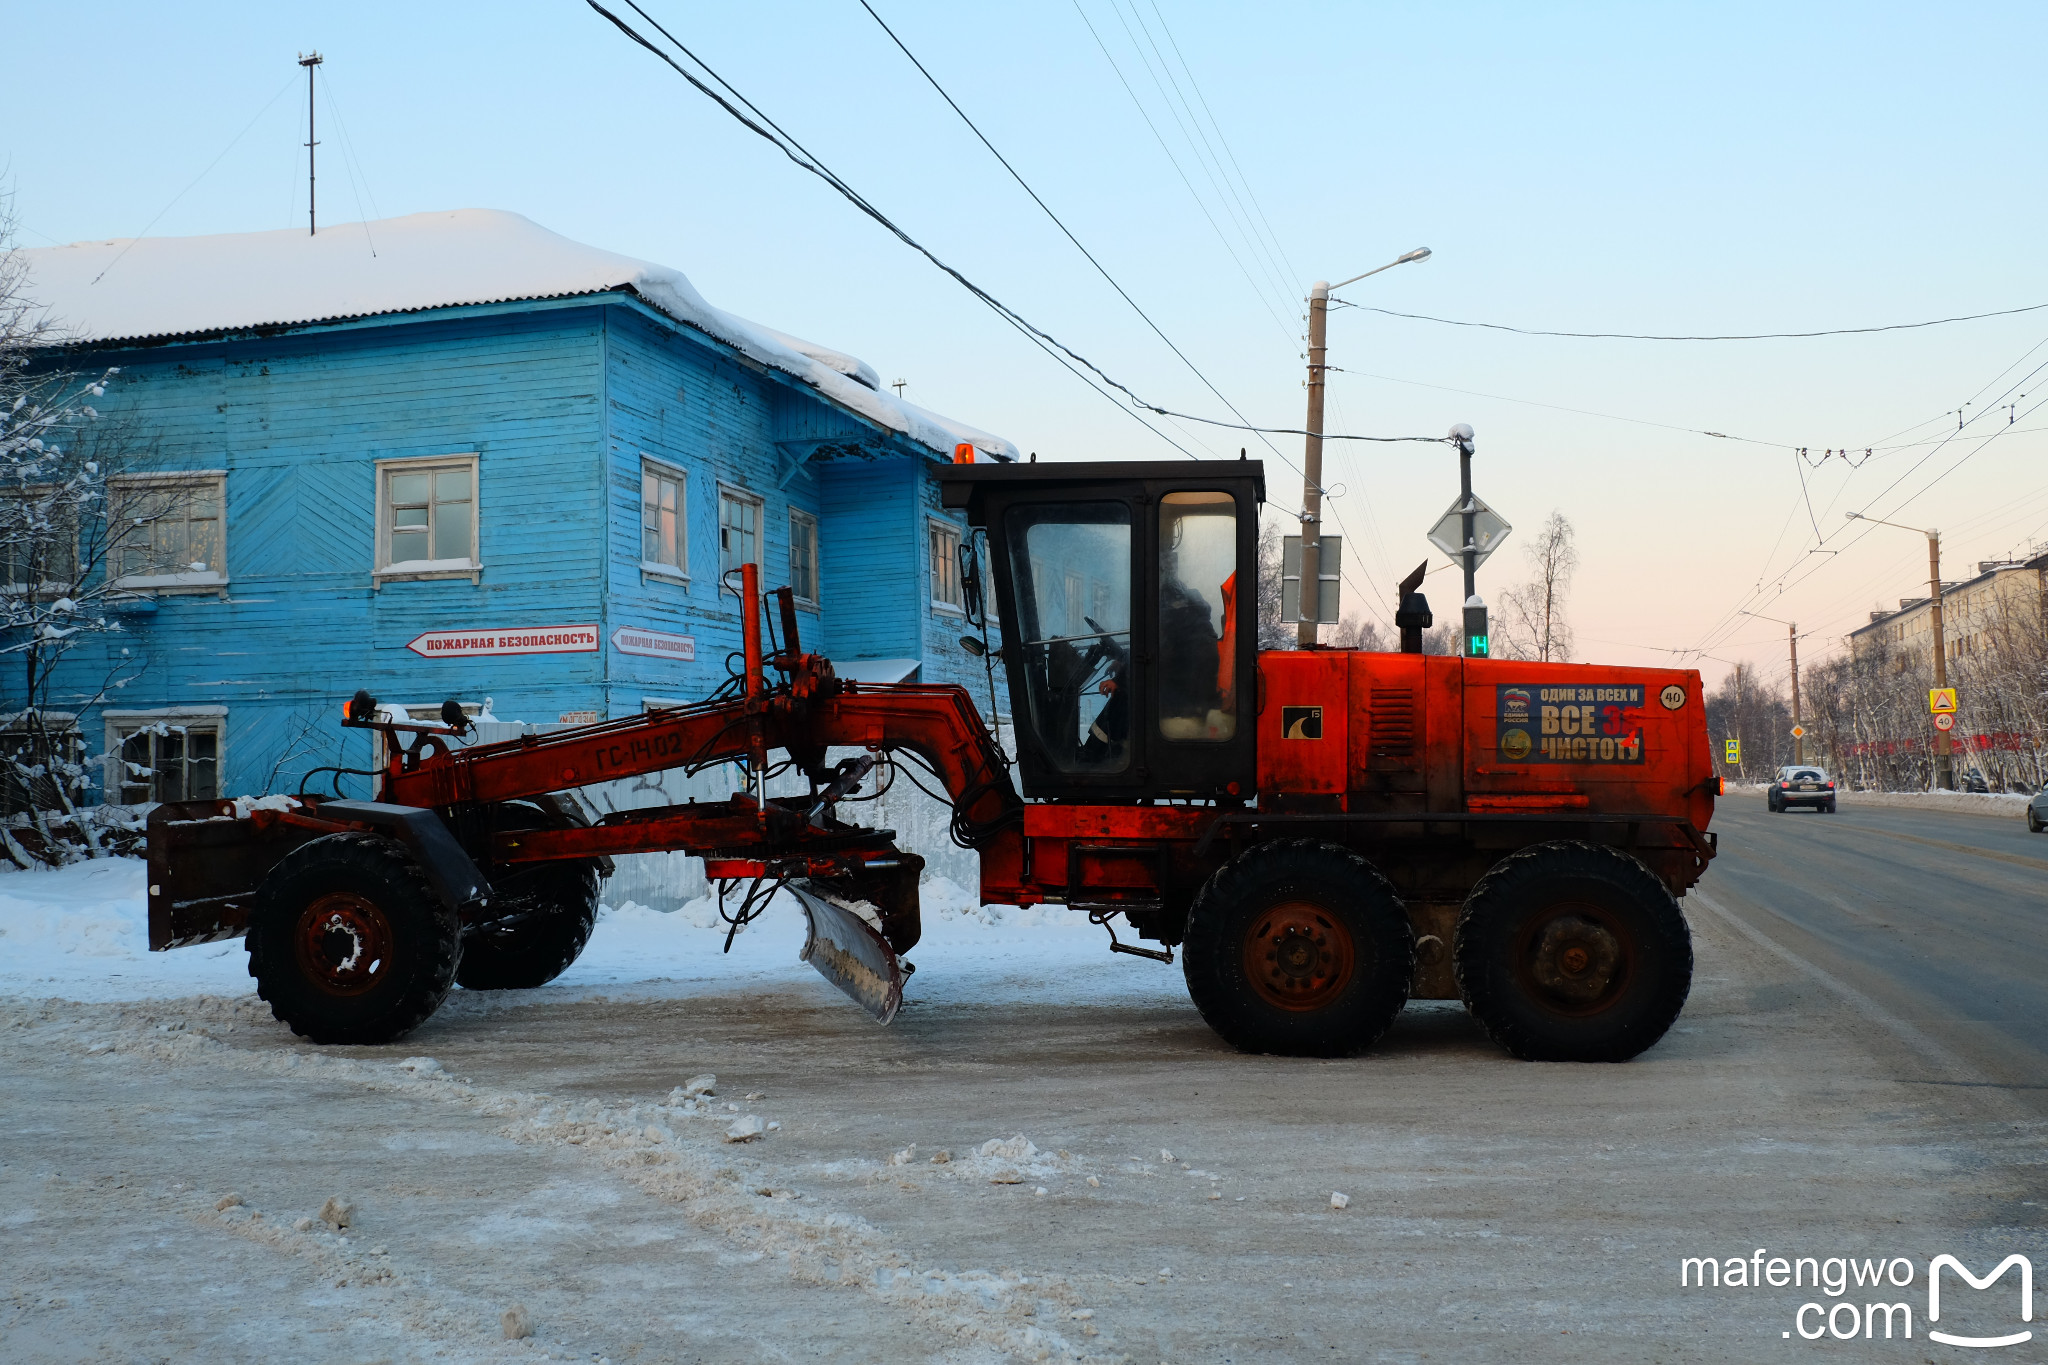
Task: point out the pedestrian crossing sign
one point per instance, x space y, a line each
1733 750
1941 700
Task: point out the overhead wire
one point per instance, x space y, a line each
1191 132
761 125
798 154
1742 336
1242 424
1782 586
1145 114
1287 271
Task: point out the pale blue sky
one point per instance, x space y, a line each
1612 168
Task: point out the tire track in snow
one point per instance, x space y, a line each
651 1146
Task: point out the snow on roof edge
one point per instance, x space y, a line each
139 289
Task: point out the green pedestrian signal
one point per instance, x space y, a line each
1477 643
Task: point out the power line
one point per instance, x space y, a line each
1747 336
1782 586
1288 271
1143 113
1208 163
801 156
1242 424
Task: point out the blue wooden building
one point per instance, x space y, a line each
457 455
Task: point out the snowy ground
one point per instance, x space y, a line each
1118 1186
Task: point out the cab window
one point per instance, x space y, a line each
1197 682
1071 563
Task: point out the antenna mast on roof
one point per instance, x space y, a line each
312 224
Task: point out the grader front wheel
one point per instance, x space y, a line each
348 944
1571 952
1298 948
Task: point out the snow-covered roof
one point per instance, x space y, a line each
155 287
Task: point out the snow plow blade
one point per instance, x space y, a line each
845 944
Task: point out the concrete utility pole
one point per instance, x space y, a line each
1944 763
1312 448
312 224
1311 594
1792 639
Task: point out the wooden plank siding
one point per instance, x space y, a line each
559 400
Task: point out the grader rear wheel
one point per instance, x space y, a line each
347 942
1298 948
541 914
1572 952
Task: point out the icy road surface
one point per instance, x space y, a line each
1169 1199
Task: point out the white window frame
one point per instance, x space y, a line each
386 570
734 493
121 724
804 526
188 580
48 585
678 572
937 528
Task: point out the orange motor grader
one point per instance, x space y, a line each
1323 834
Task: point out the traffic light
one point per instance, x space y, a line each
1477 646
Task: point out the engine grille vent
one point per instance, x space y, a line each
1393 722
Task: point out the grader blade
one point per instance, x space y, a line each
845 944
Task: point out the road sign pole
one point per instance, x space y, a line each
1476 633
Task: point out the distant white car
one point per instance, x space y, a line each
1801 785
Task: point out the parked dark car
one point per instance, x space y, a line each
1801 785
1975 781
2037 811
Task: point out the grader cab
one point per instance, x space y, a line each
1322 834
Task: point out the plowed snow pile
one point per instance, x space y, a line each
82 933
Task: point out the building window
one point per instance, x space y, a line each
664 538
32 746
164 755
739 530
945 551
168 531
38 543
427 517
803 556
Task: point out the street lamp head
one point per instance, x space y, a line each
1461 436
1420 253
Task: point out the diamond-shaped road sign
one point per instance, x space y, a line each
1488 531
1799 732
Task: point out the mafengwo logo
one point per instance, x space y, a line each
1864 1303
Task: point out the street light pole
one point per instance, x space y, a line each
1310 596
1792 638
1944 764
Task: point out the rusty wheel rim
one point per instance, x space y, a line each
1298 956
1574 958
344 943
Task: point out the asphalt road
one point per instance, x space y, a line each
1930 922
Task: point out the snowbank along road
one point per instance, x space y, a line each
1047 1156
